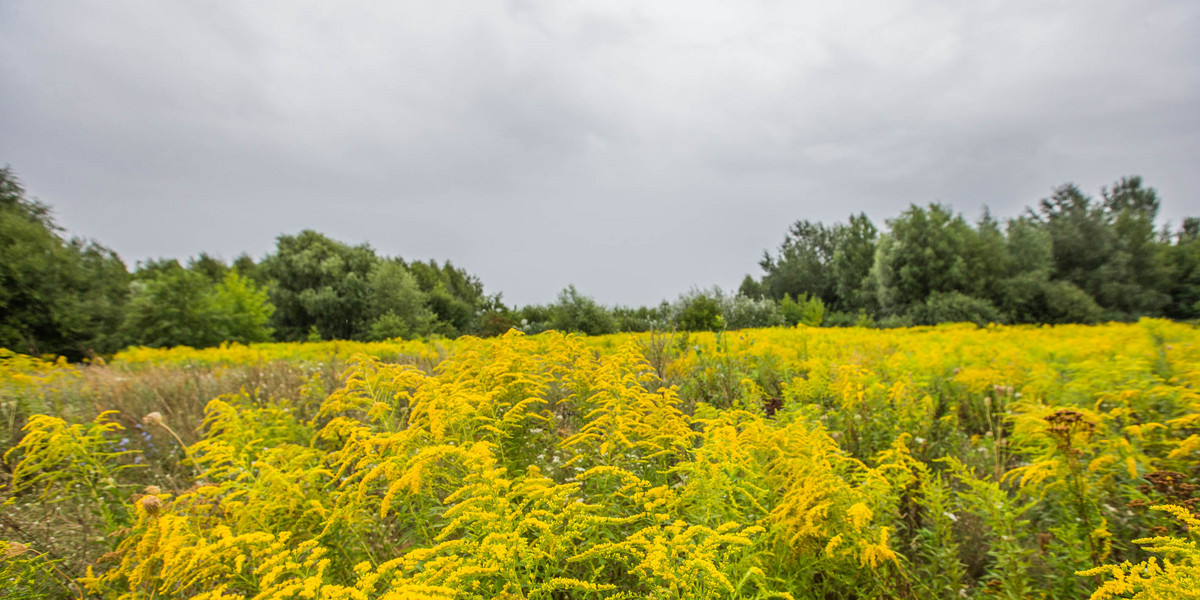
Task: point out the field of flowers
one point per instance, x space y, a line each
943 462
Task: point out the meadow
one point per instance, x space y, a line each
932 462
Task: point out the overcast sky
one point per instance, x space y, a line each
633 148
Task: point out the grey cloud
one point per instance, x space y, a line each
634 149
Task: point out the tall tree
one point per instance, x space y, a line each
576 312
853 256
803 263
319 283
455 297
928 250
1109 248
1184 260
398 306
57 296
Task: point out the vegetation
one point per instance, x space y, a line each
953 461
1073 259
328 422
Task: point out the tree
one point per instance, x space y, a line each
1109 248
1136 277
1027 294
240 310
57 296
1184 259
455 297
575 312
928 250
169 306
853 256
803 264
700 311
174 306
397 304
806 310
318 282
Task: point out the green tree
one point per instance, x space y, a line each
700 311
575 312
803 263
212 268
805 309
240 310
853 256
318 282
455 297
1184 259
1027 294
953 307
1110 249
928 250
170 306
397 304
174 306
57 296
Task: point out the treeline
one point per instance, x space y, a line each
1072 259
77 298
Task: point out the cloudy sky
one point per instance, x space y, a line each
632 148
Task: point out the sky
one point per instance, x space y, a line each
634 149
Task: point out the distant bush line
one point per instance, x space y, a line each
1071 259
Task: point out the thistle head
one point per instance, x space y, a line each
151 504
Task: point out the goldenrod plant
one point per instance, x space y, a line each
932 462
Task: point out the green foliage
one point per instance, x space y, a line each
398 302
700 311
928 250
953 307
643 318
852 261
741 312
575 312
240 310
455 297
319 282
173 306
1073 260
803 264
1109 249
1184 259
57 296
802 310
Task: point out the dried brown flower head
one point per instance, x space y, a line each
151 504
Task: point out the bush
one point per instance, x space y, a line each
576 312
806 310
895 322
642 318
839 318
741 312
1032 299
700 311
954 307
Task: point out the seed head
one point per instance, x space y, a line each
154 418
151 504
15 549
